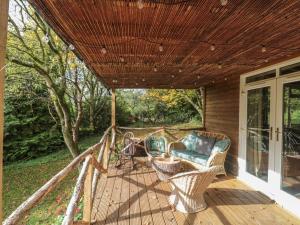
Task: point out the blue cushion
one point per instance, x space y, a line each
154 153
190 141
205 145
191 156
156 144
221 145
198 143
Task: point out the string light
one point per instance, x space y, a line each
180 70
155 69
71 47
220 66
45 39
198 77
143 79
172 76
224 2
140 4
122 59
136 84
161 48
103 50
213 47
115 81
263 48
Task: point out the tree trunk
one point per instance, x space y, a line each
72 146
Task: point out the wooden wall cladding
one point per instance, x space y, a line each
222 114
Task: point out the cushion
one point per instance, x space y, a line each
190 142
156 144
221 145
199 143
191 156
154 153
205 145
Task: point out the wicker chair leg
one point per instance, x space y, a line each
187 204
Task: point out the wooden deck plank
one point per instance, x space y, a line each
157 216
98 195
114 204
105 200
135 212
124 200
146 216
135 197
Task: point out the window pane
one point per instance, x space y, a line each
258 128
291 139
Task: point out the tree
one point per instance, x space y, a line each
33 45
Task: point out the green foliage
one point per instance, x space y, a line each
29 130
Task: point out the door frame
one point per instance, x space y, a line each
243 174
273 187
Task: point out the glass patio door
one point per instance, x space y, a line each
259 130
287 161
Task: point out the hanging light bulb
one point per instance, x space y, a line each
212 47
220 66
180 70
198 77
161 48
143 79
45 39
266 60
224 2
115 81
136 84
155 69
263 48
140 4
71 47
122 59
172 76
103 50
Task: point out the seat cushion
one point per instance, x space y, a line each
156 144
221 145
199 143
155 153
191 156
205 145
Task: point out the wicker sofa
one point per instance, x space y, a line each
202 149
155 145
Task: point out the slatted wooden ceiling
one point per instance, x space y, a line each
186 29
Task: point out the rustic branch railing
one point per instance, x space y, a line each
85 181
160 128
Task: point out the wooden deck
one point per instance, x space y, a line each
136 197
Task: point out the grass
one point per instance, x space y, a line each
22 179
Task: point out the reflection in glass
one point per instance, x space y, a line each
258 128
291 139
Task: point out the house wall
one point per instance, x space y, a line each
222 115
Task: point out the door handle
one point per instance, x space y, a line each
277 134
271 133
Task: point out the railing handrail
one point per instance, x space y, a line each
159 128
35 198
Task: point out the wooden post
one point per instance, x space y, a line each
203 95
87 195
3 37
113 108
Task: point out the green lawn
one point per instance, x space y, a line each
22 179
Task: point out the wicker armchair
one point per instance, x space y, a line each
216 158
188 189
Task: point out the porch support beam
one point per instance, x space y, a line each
3 36
113 108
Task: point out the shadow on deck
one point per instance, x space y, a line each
136 197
